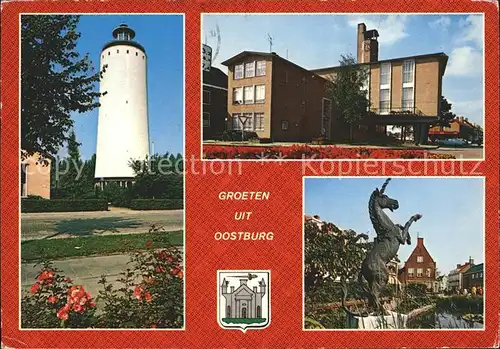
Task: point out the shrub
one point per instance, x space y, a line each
157 204
54 301
463 304
37 205
151 294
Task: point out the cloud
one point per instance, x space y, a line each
473 109
391 28
472 30
442 23
465 61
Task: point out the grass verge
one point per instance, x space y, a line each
37 250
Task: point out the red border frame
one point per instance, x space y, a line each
205 213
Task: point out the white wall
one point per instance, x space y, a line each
122 131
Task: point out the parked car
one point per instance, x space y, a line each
453 142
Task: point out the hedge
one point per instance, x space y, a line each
36 205
157 204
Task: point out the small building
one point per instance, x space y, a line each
459 127
35 177
243 303
420 267
442 281
474 277
214 102
455 277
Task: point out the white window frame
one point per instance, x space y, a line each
420 259
259 101
247 117
388 101
252 94
236 116
410 272
385 86
209 97
408 85
236 101
265 67
245 69
420 272
242 71
208 124
255 115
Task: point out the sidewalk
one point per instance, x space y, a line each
84 271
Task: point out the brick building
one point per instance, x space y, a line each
420 267
403 91
282 101
474 277
276 98
214 102
455 277
35 177
459 127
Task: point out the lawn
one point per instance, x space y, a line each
50 249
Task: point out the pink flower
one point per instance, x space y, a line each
35 288
52 299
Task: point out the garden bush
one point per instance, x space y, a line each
148 294
463 304
37 205
157 204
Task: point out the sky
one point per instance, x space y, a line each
317 41
162 38
452 208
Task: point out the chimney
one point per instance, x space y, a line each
420 242
471 260
367 44
243 282
458 266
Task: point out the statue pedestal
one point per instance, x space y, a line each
392 321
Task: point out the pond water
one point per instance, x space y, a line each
443 319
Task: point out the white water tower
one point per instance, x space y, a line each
122 131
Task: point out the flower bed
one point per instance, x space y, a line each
150 296
308 152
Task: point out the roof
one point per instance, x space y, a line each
475 268
215 77
441 55
270 55
123 42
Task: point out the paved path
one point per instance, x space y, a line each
462 153
114 221
84 271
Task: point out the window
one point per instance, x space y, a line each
248 94
24 181
420 259
408 68
410 272
109 52
137 53
481 274
327 107
238 95
420 272
284 125
247 121
117 51
385 74
250 70
238 71
259 121
236 122
428 272
206 97
206 119
473 275
260 93
385 101
407 102
261 68
128 51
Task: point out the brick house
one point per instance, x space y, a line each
35 177
459 127
474 277
455 277
403 91
276 98
214 102
420 267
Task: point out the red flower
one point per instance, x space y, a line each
180 274
52 299
35 288
149 244
160 269
138 292
91 304
62 313
153 325
148 297
78 308
149 280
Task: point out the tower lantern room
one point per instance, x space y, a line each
123 32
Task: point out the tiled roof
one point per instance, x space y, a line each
475 268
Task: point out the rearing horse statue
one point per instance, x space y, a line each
386 244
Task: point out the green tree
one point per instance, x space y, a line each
347 92
55 81
446 115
